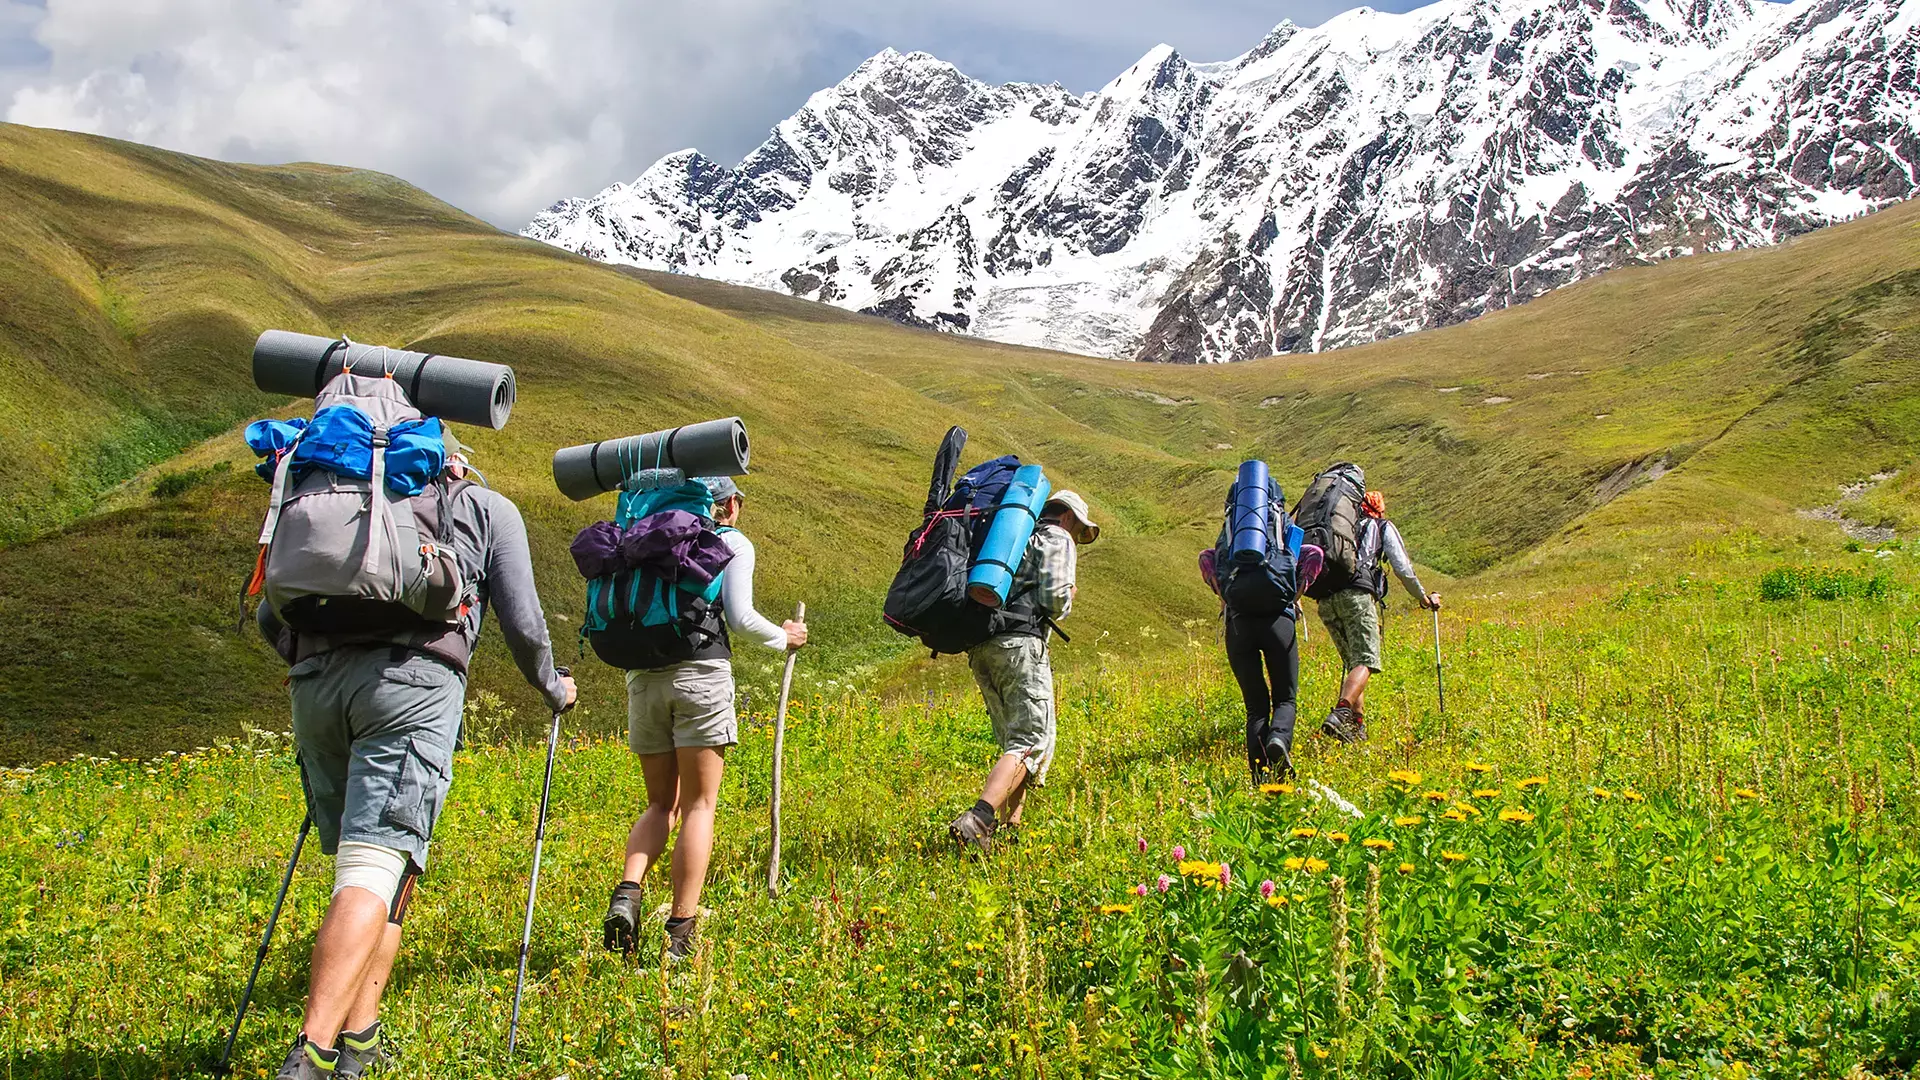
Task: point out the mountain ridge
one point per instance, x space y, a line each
1378 174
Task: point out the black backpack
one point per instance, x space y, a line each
1330 516
1269 586
928 599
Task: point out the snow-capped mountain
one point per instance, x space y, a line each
1375 175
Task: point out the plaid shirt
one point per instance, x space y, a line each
1048 570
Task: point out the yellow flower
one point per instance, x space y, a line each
1467 808
1631 795
1745 793
1405 868
1201 869
1453 856
1454 815
1314 866
1404 776
1476 767
1377 844
1516 814
1719 860
1276 789
1277 900
1486 793
1337 837
1436 796
1319 1053
1116 909
1600 793
1408 819
1294 863
1531 782
1305 834
1666 860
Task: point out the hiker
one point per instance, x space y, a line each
1350 524
1261 654
680 721
376 715
1014 673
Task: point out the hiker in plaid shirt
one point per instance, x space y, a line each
1015 674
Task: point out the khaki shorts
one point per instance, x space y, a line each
1352 619
687 705
1016 679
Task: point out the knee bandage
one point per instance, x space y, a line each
379 870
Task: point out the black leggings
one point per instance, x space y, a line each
1252 639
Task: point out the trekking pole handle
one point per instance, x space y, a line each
566 672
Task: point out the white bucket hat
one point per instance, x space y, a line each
1086 532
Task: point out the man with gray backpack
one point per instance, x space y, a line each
1349 524
378 560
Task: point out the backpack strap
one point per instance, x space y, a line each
379 514
282 484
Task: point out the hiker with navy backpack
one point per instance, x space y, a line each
672 586
378 561
1259 567
1349 523
989 572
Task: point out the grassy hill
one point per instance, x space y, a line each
1752 385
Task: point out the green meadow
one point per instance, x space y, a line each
1664 827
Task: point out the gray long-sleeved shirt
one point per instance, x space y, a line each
490 540
1394 550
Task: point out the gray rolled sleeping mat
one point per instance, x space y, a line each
713 448
463 391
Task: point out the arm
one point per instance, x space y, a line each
736 596
1394 550
1056 562
513 597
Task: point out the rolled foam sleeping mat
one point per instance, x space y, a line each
1006 543
449 387
712 448
1250 513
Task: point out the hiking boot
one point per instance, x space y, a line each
620 931
968 828
1279 761
363 1051
680 940
308 1062
1344 724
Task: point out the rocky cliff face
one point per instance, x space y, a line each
1378 174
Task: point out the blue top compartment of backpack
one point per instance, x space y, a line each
339 439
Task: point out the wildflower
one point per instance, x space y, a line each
1745 793
1631 795
1294 863
1666 860
1319 1053
1226 874
1515 814
1305 834
1314 866
1179 853
1408 820
1452 856
1405 776
1405 868
1486 793
1467 808
1277 900
1164 883
1719 860
1436 796
1477 767
1141 844
1531 782
1139 890
1209 874
1600 793
1454 815
1377 844
1116 909
1266 889
1276 789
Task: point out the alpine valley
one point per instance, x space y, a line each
1378 174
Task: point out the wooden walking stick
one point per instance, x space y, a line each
779 748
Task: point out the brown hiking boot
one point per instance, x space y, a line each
1344 724
969 829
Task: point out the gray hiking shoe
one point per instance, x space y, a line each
358 1058
308 1062
1344 725
969 829
680 939
620 930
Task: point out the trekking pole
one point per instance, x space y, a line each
533 883
260 957
1439 682
779 748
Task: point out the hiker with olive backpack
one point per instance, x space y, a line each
1349 523
378 560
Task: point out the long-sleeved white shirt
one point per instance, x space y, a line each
736 596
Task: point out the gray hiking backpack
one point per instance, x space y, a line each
1330 516
353 541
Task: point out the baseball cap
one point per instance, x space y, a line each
722 487
1087 532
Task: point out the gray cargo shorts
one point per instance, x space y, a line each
687 705
375 729
1352 619
1016 680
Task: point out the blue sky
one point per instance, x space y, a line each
503 106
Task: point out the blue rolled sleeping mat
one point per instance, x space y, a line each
1007 536
1250 514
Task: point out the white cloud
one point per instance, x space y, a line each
503 106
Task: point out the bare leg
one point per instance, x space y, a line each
700 770
1006 785
344 950
1354 690
1017 801
373 983
648 837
